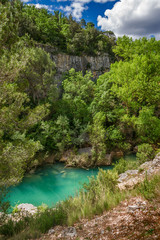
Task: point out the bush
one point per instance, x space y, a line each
149 189
122 165
145 153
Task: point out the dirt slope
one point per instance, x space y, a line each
133 219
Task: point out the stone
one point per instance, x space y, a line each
117 154
26 208
50 159
133 207
63 62
130 178
108 159
122 177
69 232
135 149
51 231
87 151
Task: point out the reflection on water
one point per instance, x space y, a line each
50 184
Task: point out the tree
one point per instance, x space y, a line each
77 85
136 81
10 14
90 25
83 22
97 138
32 69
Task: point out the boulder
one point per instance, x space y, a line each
87 150
26 208
50 159
117 154
130 178
69 232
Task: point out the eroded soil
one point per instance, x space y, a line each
133 219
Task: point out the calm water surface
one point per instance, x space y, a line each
51 184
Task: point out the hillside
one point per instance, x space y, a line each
133 219
71 93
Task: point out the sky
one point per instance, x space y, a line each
135 18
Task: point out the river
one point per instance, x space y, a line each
51 184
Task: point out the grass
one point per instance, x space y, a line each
98 195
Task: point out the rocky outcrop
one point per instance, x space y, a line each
83 158
96 64
130 178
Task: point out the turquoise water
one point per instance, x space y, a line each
50 184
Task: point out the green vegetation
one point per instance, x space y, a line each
39 116
101 193
145 153
61 32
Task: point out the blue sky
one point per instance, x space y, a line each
136 18
87 9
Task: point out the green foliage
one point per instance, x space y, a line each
77 85
104 100
145 153
122 165
136 81
32 69
62 133
127 48
11 228
31 227
97 137
16 150
150 188
98 195
118 111
63 33
148 125
42 207
4 204
10 15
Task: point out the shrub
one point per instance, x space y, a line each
145 153
122 165
149 189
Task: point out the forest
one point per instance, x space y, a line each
38 116
41 116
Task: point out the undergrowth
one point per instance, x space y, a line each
98 195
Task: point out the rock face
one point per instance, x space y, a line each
87 150
130 178
26 208
97 65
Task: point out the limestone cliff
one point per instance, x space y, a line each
97 64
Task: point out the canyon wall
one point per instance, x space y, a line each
97 64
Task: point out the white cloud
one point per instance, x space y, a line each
41 6
77 7
47 7
136 18
25 1
103 1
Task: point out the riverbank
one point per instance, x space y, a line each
126 180
102 195
134 218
